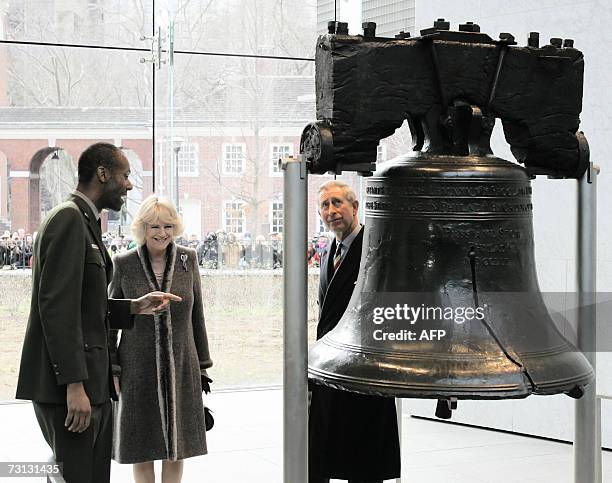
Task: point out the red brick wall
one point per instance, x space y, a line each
74 147
143 148
19 152
3 187
212 194
20 204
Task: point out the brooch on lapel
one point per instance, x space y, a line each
184 258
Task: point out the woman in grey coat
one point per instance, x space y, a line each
162 366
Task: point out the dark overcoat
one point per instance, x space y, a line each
67 337
160 413
351 436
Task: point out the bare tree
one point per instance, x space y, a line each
252 88
214 85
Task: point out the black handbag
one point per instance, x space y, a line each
209 421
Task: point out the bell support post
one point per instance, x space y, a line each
295 328
587 428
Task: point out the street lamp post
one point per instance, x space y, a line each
177 148
176 142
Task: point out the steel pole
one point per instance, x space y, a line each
399 410
295 336
587 427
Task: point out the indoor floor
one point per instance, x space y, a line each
246 446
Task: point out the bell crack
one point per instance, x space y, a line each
472 257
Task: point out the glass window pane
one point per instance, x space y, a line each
391 16
260 27
90 22
279 151
276 216
56 105
235 115
239 113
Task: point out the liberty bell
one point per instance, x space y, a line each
447 303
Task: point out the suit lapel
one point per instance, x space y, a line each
325 275
345 272
349 264
323 278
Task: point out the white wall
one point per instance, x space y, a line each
587 22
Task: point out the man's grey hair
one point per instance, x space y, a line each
347 191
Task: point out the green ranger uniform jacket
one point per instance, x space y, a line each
67 337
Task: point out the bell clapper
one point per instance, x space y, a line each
445 407
576 392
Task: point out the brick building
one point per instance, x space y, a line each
226 160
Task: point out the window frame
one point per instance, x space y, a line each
224 159
321 228
196 161
381 153
274 159
224 219
271 215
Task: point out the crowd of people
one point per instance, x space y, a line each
16 249
219 249
216 250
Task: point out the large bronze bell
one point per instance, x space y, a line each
449 233
447 304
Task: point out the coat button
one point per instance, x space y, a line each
57 373
55 365
86 346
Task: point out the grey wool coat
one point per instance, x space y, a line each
160 414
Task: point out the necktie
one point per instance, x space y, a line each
338 256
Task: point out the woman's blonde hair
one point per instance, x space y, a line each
155 210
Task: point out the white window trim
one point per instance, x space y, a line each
279 173
383 151
19 174
244 153
321 228
224 218
271 215
196 173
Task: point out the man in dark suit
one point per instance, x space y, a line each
352 436
65 368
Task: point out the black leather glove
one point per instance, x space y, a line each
205 383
